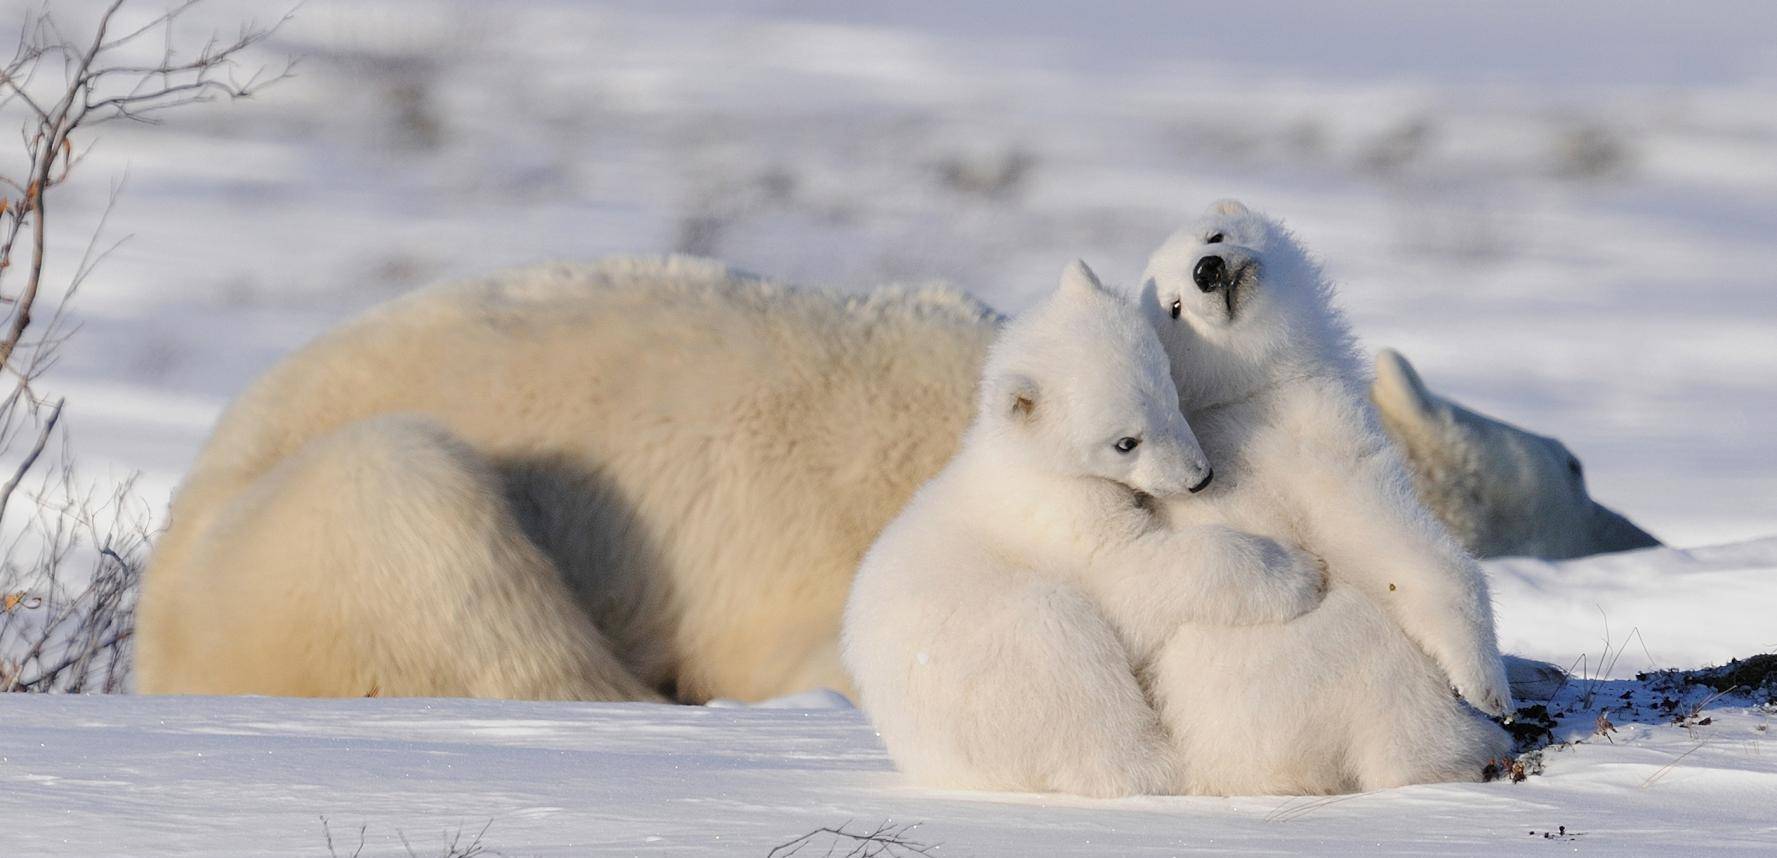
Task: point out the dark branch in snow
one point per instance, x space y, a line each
886 840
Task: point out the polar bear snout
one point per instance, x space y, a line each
1210 273
1222 268
1225 272
1202 484
1181 470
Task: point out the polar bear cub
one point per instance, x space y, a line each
976 631
1356 694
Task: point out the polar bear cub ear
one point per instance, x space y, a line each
1229 207
1078 279
1400 393
1016 395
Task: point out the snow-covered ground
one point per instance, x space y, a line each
1685 771
124 776
1617 615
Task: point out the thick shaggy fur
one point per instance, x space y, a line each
637 478
694 460
976 629
1356 695
1503 492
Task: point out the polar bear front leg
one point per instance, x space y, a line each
1376 534
1202 574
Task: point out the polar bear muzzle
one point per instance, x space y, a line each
1203 483
1224 271
1211 273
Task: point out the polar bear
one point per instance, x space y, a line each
1503 491
686 461
1355 695
638 479
976 628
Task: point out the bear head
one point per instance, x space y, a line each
1502 490
1240 303
1078 386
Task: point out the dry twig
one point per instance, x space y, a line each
76 635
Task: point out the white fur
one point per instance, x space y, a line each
975 631
1503 491
682 463
1346 697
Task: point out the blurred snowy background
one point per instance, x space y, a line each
1563 213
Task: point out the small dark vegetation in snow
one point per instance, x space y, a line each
458 843
1592 152
1560 833
1400 148
1592 711
995 175
722 201
885 840
1758 673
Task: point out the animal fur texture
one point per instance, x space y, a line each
614 482
1355 695
976 630
685 462
1503 491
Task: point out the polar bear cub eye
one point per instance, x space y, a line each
1178 307
1126 444
1214 238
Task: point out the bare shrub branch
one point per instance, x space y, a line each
327 830
62 631
886 840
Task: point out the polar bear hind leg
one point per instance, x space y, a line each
1419 731
1050 703
387 552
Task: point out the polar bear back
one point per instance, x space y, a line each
706 454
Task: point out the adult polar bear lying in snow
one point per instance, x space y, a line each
1503 491
612 482
977 628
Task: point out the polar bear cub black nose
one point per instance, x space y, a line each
1211 273
1203 483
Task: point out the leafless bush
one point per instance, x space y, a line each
886 840
995 175
327 831
458 843
1591 151
1400 148
723 200
72 635
71 562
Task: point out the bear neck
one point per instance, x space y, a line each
1032 511
1312 343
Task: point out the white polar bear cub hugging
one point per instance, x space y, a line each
976 631
1355 695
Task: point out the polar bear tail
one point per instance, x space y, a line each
381 558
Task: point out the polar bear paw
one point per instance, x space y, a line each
1148 773
1481 680
1291 582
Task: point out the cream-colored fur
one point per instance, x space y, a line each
977 629
596 482
700 457
1503 491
